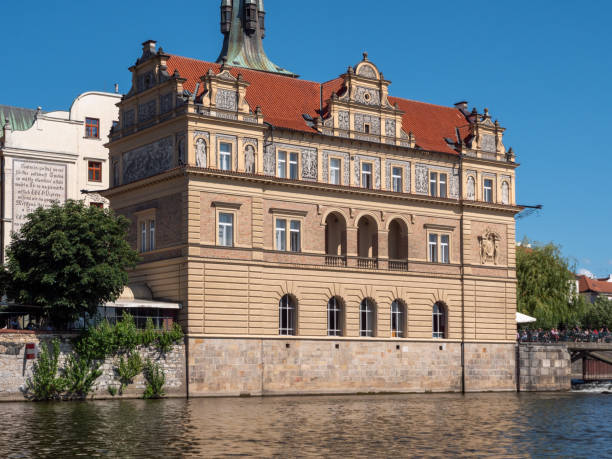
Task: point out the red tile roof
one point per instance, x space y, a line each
586 284
283 101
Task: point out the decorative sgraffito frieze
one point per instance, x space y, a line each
405 165
309 164
203 134
147 160
361 120
343 120
421 172
226 99
487 143
147 111
454 185
489 247
367 96
329 122
165 103
346 167
128 118
366 71
390 128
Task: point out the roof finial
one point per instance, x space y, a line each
365 56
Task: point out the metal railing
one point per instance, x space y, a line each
367 263
534 336
398 265
335 260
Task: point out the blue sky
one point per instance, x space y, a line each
544 69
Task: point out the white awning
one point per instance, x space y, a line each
140 296
524 319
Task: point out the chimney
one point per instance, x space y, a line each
463 106
149 47
116 88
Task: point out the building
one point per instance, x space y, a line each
591 289
321 237
53 156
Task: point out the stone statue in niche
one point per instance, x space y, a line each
471 188
200 153
181 151
489 247
249 159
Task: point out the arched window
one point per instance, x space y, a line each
286 316
367 243
334 317
398 319
335 240
439 320
367 315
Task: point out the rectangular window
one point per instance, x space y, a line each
366 128
151 235
225 156
433 248
143 237
295 236
433 184
281 235
366 175
293 166
226 229
397 179
282 164
334 171
94 171
443 181
488 190
92 128
445 248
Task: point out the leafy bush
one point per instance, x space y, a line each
80 374
155 380
112 390
129 369
45 384
167 339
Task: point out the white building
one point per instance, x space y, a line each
53 156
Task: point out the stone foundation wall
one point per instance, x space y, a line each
233 366
544 368
15 369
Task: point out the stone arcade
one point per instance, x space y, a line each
321 237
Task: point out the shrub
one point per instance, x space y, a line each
80 374
45 384
129 369
155 380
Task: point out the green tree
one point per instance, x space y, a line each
599 314
546 287
68 259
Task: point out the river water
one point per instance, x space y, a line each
500 425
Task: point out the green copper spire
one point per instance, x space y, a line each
243 24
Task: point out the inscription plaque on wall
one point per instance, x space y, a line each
36 184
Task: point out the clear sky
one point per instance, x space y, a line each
543 68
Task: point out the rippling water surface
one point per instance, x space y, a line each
502 425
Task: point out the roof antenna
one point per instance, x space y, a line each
116 88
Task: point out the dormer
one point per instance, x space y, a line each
486 137
150 68
361 108
225 92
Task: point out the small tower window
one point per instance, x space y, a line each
366 128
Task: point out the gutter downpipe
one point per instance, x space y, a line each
461 243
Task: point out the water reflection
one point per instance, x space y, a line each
503 425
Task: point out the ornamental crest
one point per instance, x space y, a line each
489 247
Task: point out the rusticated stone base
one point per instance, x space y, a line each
239 366
544 368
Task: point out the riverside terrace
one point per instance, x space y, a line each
576 335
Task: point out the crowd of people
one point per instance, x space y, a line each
576 334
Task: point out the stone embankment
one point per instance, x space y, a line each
16 369
544 367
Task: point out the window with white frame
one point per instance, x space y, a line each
438 184
397 319
294 168
146 232
397 179
439 321
438 248
143 236
487 190
334 171
226 229
151 235
288 235
367 318
225 156
334 317
366 175
281 164
286 316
